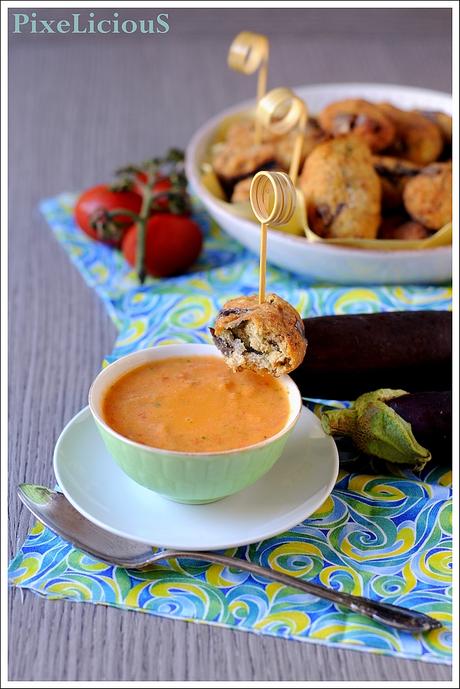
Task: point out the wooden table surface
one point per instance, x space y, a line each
79 107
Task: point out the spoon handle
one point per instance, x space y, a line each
391 615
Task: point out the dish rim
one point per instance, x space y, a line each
289 386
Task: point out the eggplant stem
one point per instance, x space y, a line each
339 421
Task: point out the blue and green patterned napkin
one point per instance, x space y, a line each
384 532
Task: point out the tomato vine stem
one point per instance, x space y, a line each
144 177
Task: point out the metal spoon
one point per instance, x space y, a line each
56 512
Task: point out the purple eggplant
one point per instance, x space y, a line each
352 354
397 426
430 416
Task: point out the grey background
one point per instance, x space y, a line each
79 107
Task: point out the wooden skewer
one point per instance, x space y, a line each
262 78
262 262
273 199
295 117
298 145
248 53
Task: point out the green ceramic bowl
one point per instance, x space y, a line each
190 477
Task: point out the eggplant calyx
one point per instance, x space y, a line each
377 430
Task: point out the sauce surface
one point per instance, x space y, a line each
195 404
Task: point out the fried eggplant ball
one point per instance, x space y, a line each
443 121
394 174
266 337
232 163
342 189
361 118
417 138
407 230
428 197
284 145
241 190
241 133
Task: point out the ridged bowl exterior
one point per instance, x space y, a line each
191 479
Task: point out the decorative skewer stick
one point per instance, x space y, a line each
281 111
247 54
273 199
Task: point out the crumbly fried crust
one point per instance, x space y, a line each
284 146
417 138
231 161
241 190
240 137
342 190
408 230
443 121
262 337
428 197
357 116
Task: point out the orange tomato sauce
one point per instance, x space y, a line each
195 404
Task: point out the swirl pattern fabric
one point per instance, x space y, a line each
384 532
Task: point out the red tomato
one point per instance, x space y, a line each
102 198
172 244
161 184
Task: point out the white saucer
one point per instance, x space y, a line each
290 492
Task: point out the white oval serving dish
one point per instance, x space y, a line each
317 261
